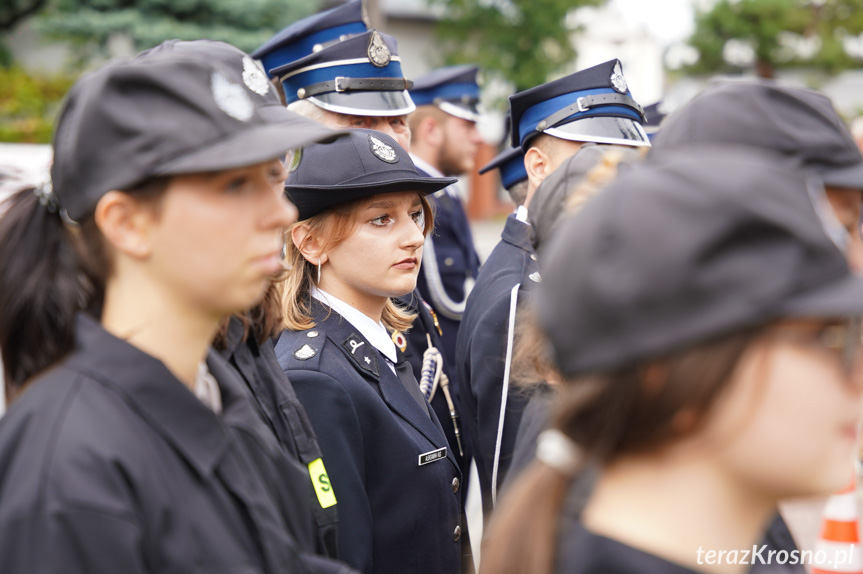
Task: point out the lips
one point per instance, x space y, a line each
407 263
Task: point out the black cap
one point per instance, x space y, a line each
700 244
593 105
453 89
361 76
182 107
799 123
362 164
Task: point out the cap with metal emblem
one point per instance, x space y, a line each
510 162
796 122
312 34
593 105
453 89
689 246
179 108
362 164
360 76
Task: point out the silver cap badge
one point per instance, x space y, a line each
379 53
254 77
382 150
231 98
617 79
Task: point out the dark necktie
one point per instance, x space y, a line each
406 375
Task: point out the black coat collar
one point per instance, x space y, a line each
147 385
517 233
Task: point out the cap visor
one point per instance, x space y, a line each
603 130
283 131
312 199
850 177
366 103
469 112
841 298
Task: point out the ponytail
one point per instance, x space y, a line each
40 290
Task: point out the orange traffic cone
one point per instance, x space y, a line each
838 548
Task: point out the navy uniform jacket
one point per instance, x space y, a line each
481 352
278 406
456 261
395 515
109 464
427 323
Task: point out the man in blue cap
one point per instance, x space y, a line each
513 175
550 123
445 141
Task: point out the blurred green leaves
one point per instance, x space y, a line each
28 105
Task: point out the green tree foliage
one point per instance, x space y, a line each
28 105
824 34
91 24
522 41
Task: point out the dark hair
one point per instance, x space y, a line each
634 409
49 271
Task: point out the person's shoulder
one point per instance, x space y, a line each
300 350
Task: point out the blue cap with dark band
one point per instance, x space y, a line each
453 89
510 163
311 34
360 76
593 105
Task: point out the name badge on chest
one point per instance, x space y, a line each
432 456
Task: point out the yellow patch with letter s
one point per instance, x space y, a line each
321 483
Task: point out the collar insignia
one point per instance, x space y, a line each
362 354
535 277
379 53
400 340
231 98
618 82
383 151
254 77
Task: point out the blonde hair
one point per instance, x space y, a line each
331 228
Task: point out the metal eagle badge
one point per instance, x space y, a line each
383 151
379 53
254 77
618 82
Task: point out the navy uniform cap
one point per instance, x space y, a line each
360 76
695 245
796 122
453 89
510 163
311 34
593 105
362 164
179 108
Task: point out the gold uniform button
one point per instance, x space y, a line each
448 261
456 534
455 485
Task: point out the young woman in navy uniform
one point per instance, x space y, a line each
127 446
363 217
706 328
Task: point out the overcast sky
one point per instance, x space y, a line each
668 20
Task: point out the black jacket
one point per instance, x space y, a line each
481 352
279 408
109 464
395 514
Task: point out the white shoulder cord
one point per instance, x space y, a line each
440 299
513 300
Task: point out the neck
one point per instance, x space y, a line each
371 306
678 510
149 317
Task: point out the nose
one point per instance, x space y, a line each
412 237
383 125
474 136
281 212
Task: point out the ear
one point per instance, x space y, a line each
125 223
307 244
537 163
432 131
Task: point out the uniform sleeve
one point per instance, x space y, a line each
334 417
72 540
